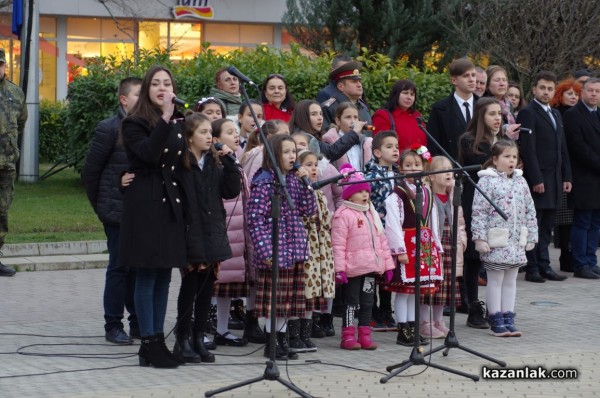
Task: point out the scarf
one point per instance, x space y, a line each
364 209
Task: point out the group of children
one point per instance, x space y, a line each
354 236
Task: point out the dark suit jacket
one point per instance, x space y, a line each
544 153
446 124
582 130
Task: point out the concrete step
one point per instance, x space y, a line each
50 256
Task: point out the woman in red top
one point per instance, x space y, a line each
278 103
399 114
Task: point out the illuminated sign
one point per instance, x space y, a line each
196 9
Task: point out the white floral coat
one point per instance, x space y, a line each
512 196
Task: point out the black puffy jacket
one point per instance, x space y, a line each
105 162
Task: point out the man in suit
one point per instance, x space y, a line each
547 170
449 117
582 130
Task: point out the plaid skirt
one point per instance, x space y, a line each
318 304
442 294
231 290
290 300
564 215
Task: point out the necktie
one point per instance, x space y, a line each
467 111
551 117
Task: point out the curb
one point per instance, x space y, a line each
53 256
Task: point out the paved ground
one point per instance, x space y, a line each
561 331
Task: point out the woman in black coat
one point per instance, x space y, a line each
206 181
152 228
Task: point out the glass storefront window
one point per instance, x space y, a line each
184 39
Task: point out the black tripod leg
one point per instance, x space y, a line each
234 386
294 388
470 351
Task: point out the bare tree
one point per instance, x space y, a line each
527 36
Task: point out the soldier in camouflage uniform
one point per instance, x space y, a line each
13 114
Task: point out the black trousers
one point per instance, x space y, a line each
194 297
538 259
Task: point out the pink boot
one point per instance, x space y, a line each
348 338
364 338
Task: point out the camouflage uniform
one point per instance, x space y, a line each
13 114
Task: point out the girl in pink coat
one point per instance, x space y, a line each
360 253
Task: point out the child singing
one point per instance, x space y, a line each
293 246
442 185
361 253
502 243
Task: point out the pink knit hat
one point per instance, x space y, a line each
349 190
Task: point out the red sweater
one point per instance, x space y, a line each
272 113
407 128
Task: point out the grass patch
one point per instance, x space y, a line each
52 210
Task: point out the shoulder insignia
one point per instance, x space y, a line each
329 102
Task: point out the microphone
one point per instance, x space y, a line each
180 102
304 179
331 180
241 77
521 129
420 120
219 146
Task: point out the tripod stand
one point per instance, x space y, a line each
416 356
271 371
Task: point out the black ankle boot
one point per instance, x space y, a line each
237 315
252 331
327 324
282 341
317 331
279 353
200 348
151 353
183 349
305 331
168 353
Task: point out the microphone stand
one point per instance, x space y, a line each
271 372
451 340
416 356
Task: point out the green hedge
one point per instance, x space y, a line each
93 97
53 136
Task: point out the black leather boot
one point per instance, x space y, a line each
327 324
252 331
305 331
168 353
183 349
151 353
201 349
282 341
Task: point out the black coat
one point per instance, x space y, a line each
544 154
105 162
470 158
582 130
446 124
205 216
152 228
330 107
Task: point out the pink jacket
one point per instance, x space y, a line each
358 248
252 161
365 145
332 192
234 269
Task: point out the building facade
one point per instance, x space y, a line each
74 31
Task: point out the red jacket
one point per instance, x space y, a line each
406 126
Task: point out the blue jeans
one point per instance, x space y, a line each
585 232
119 284
151 297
